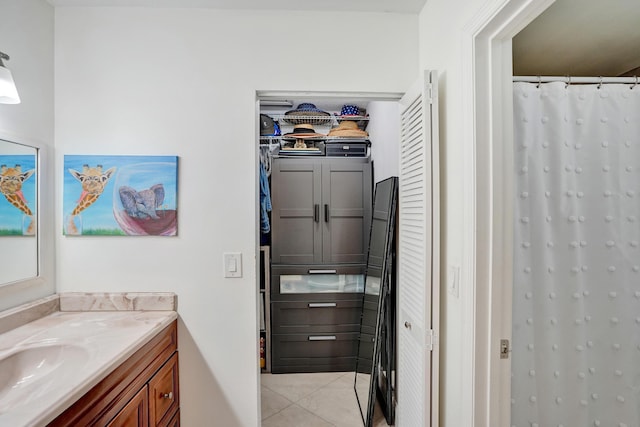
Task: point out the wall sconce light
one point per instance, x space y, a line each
8 91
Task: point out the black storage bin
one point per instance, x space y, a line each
343 149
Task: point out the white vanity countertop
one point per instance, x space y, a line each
48 364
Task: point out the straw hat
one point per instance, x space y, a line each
349 129
303 131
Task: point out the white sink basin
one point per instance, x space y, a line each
25 373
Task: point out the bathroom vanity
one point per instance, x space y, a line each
113 367
142 391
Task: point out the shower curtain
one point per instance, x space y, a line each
576 289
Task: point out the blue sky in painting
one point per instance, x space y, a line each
139 172
10 216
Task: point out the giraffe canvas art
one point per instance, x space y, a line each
18 188
120 195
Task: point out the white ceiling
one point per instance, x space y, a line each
580 38
387 6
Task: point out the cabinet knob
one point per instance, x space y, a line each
407 325
167 395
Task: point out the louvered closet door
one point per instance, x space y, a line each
418 257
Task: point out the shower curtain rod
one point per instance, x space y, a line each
571 80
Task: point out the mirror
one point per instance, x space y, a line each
375 327
18 212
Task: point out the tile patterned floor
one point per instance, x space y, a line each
312 400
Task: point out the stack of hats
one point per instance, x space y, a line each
350 123
307 113
305 137
303 131
347 129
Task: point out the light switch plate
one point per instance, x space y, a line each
232 264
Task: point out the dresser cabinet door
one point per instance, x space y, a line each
296 231
134 414
163 393
346 211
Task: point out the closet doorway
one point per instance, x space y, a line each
325 397
384 129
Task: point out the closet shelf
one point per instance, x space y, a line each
333 120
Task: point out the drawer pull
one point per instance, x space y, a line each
167 395
323 271
322 338
322 304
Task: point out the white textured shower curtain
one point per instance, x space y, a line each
576 291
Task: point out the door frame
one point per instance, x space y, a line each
487 190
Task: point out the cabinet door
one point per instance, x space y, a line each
296 227
346 211
163 393
134 414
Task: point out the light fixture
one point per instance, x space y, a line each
8 91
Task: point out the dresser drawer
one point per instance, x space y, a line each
314 352
300 317
316 282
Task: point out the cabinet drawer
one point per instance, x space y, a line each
314 352
309 317
316 282
163 393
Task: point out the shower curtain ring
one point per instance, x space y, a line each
600 84
566 85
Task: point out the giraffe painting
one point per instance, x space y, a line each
11 180
93 182
130 195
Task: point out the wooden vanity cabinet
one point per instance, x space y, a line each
141 392
135 412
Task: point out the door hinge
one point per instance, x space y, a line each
430 92
504 349
432 340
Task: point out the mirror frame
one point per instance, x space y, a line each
28 289
384 294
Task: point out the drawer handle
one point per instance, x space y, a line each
322 338
167 395
322 304
323 271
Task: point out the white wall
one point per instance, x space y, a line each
26 35
384 130
182 82
442 25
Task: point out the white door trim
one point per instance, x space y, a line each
487 192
